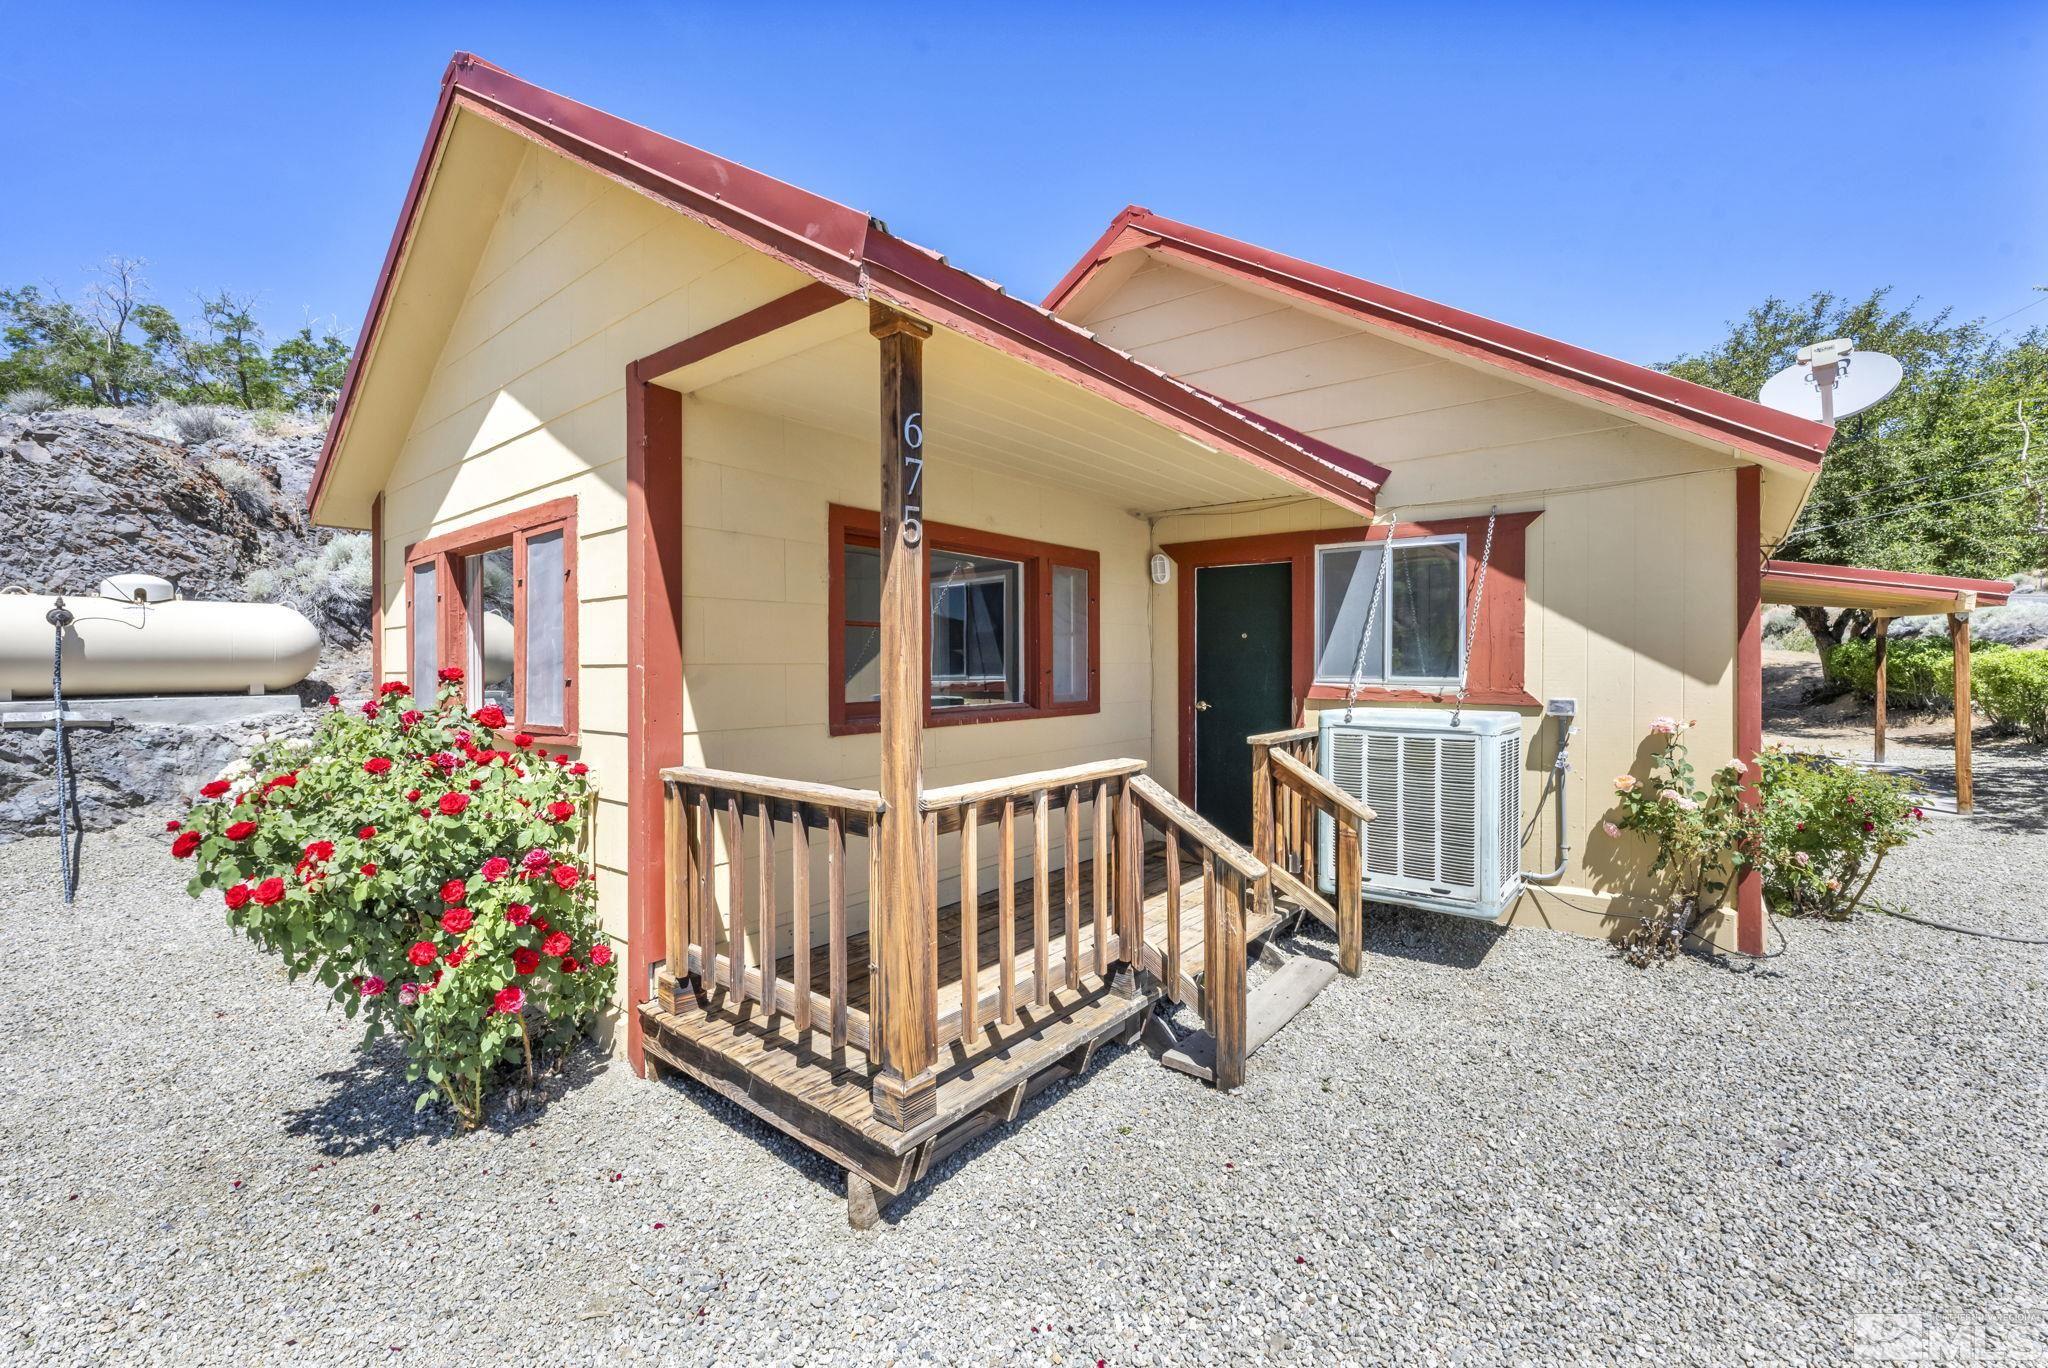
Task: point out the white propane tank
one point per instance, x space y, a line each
174 646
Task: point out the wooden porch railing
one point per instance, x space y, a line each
1001 807
1233 885
751 811
1288 795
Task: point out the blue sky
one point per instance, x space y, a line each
1626 178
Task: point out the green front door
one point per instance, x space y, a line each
1243 684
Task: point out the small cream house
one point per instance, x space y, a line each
916 632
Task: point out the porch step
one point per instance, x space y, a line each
1272 1005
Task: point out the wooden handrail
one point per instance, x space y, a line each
1023 785
788 790
1283 738
1319 790
1199 827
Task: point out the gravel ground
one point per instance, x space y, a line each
1492 1148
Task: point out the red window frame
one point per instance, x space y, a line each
862 527
451 615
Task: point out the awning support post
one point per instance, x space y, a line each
902 911
1884 625
1959 640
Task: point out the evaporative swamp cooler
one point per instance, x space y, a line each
1448 803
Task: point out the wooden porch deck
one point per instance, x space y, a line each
796 1081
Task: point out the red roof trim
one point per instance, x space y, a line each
1990 593
1751 427
856 255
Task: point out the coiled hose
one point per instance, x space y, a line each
59 617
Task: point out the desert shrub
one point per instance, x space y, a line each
1699 833
251 492
195 424
2012 689
1919 671
429 877
329 583
29 400
1823 829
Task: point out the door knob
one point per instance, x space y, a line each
1201 705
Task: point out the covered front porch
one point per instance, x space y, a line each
879 964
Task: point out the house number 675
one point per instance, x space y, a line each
913 476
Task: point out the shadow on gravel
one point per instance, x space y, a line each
2011 797
829 1177
1429 937
372 1106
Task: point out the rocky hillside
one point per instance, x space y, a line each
203 497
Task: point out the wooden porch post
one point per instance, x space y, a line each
902 918
1883 650
1959 640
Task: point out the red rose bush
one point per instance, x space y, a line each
432 880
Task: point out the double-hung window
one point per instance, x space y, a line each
498 600
1013 632
1418 628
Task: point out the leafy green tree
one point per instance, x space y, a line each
309 369
1929 480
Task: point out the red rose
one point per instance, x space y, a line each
370 709
373 987
283 781
496 868
409 719
475 784
377 764
453 891
557 944
560 811
187 842
519 914
567 876
393 686
450 674
317 851
240 831
412 795
334 700
508 1000
369 871
600 955
579 768
522 740
422 953
525 960
214 789
236 896
173 824
457 955
271 890
452 804
365 833
569 964
457 920
490 715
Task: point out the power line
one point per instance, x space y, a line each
1894 512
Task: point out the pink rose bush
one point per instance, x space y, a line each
1701 835
426 877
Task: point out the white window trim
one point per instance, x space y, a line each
1387 679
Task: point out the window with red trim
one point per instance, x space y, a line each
1015 629
499 600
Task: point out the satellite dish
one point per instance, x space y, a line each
1832 380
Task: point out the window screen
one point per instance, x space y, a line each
546 630
1070 663
491 627
426 655
1416 628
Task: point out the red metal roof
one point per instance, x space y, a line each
857 255
1801 582
1766 433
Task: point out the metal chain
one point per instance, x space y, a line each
1472 627
1372 608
